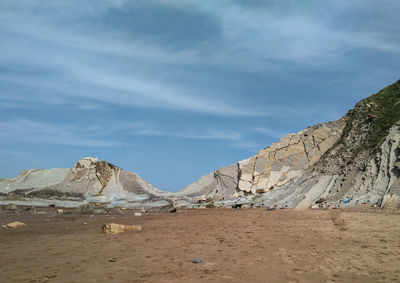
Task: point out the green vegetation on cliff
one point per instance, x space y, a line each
369 122
385 112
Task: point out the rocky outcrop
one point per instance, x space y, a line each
219 185
352 161
347 162
272 168
90 180
287 159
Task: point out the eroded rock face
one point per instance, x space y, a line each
218 185
285 160
351 161
272 168
370 177
90 180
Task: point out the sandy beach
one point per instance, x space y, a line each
244 245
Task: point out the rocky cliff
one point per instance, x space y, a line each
354 160
350 161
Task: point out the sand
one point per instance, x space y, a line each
247 245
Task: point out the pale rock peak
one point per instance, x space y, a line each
87 162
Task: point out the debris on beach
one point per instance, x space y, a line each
112 228
15 224
197 260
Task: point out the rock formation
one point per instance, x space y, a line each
282 162
351 161
89 180
354 160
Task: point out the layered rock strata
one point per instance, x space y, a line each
88 181
272 168
352 161
285 160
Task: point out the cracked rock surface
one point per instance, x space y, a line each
355 160
285 160
90 180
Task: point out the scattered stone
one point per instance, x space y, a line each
138 214
60 210
197 260
112 228
15 224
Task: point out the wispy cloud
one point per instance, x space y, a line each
157 130
98 135
43 132
249 40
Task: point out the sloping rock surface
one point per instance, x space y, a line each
351 161
90 180
272 168
354 160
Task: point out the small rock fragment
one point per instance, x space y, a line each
112 228
60 210
138 214
197 260
15 224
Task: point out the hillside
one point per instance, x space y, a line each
351 161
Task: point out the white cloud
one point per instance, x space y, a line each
98 135
23 130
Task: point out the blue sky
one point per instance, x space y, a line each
173 90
